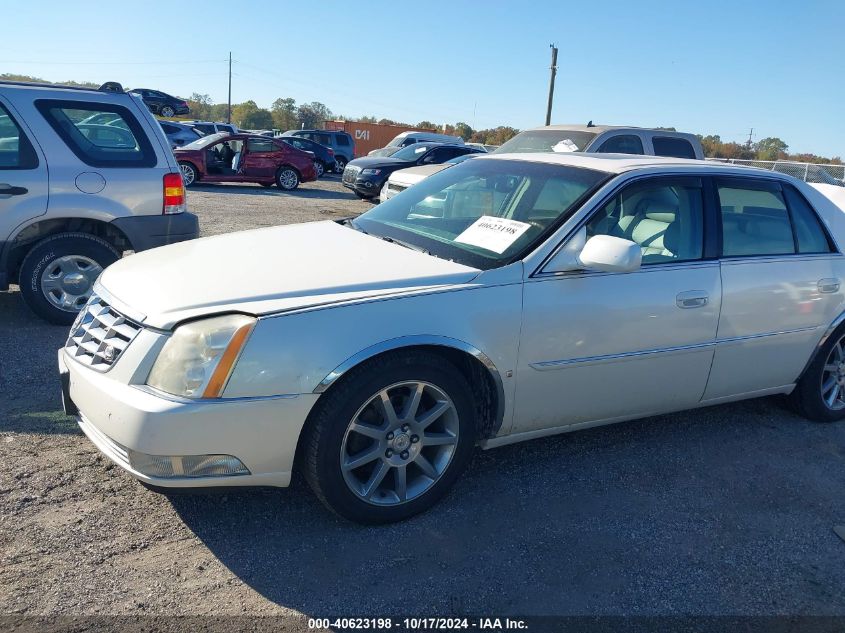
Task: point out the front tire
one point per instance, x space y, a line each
390 439
167 112
319 168
287 178
820 393
57 276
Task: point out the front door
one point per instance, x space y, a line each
598 346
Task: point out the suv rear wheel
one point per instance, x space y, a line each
57 276
339 164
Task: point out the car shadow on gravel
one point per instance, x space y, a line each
30 394
257 190
721 510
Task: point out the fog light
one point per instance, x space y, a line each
174 466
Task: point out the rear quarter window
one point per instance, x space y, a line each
120 144
674 147
342 139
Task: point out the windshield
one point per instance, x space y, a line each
412 152
547 141
483 213
204 141
397 141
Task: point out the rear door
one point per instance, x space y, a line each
261 159
23 174
779 284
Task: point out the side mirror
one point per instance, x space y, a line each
611 254
600 252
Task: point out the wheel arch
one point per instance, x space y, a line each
828 332
28 236
479 370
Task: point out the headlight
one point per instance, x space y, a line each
198 359
370 172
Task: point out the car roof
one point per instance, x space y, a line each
598 129
620 163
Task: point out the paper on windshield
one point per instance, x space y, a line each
566 145
493 234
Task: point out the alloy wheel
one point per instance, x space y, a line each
318 167
833 377
188 174
167 111
288 179
67 282
399 444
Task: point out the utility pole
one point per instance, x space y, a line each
750 135
551 84
229 109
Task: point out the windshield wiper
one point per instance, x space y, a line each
393 240
350 221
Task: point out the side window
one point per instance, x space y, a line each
324 139
808 230
622 144
260 145
121 144
205 128
754 220
169 129
665 218
438 155
16 152
341 139
675 147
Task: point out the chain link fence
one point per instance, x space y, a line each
808 172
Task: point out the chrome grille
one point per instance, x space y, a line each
100 335
350 174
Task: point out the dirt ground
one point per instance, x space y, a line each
726 510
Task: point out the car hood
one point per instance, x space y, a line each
380 162
270 270
412 175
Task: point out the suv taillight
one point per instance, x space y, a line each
174 194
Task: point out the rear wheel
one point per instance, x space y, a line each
820 393
391 439
57 276
339 164
189 173
287 178
167 112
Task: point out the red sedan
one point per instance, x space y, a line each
245 158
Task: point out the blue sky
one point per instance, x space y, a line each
707 67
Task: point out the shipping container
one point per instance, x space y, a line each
370 136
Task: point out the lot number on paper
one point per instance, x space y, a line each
494 234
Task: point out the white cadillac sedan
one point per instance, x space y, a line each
506 298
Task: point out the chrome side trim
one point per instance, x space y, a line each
411 341
182 400
680 349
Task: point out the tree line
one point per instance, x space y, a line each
285 114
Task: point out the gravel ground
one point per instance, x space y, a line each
726 510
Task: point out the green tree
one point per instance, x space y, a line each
200 106
463 130
770 148
259 119
427 125
284 114
312 115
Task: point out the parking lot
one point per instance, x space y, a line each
728 509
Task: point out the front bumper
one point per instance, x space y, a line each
148 231
262 433
369 187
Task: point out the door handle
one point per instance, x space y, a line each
9 190
691 299
828 285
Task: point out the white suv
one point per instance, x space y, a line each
85 175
